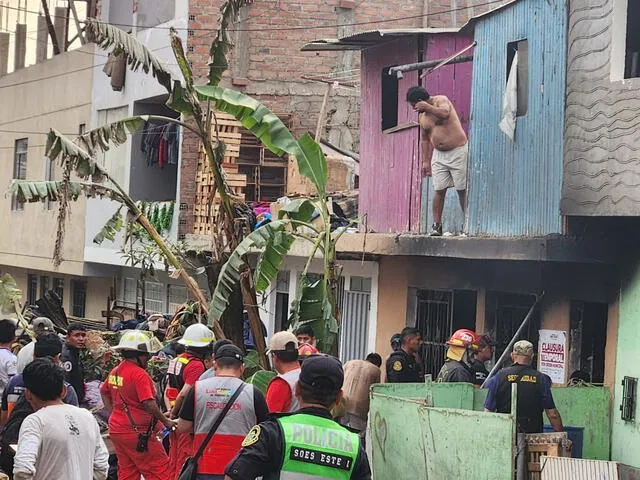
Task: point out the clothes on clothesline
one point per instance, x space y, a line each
160 143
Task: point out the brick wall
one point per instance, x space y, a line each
269 64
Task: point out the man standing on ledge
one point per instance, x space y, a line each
442 132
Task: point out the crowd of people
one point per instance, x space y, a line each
466 359
205 422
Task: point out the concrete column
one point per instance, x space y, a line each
4 53
42 39
60 26
20 46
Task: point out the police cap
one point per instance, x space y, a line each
322 372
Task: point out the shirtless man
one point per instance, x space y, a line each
441 132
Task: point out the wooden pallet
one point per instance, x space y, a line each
229 130
545 445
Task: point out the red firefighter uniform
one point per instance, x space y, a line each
130 384
183 370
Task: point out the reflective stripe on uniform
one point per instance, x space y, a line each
211 395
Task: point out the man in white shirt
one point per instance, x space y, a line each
58 441
41 325
8 361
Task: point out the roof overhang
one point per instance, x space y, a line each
371 38
472 21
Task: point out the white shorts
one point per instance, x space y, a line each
449 168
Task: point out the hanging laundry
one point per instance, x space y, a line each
160 143
172 136
116 68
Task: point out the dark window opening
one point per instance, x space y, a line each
439 314
78 298
58 287
19 167
389 99
632 51
588 340
522 48
32 289
44 285
504 315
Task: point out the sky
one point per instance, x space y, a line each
28 14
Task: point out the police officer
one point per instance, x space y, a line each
307 443
463 346
485 353
534 392
70 358
402 365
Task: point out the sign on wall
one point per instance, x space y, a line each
552 354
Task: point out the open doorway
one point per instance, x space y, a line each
588 340
504 315
440 313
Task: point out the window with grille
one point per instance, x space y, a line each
154 298
78 298
19 167
32 289
44 285
130 293
58 287
176 296
282 299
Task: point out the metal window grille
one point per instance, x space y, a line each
58 287
44 285
435 322
176 296
354 325
629 394
19 167
154 298
78 298
32 289
130 292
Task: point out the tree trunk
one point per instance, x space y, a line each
232 320
251 305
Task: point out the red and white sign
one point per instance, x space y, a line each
552 354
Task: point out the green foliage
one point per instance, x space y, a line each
159 214
263 239
138 56
261 379
111 228
312 163
312 308
10 294
115 133
29 191
300 210
69 154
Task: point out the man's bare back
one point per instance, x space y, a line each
440 122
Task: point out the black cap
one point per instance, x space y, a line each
322 372
76 327
229 351
47 345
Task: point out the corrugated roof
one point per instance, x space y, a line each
473 20
370 38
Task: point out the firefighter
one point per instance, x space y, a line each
463 346
182 374
486 348
308 443
129 394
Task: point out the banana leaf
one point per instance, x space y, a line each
137 55
111 228
10 294
312 308
30 191
261 379
274 250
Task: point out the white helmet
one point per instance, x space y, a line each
135 340
197 335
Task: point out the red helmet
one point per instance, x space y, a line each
305 350
464 338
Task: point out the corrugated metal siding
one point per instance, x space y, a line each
454 81
515 187
389 163
559 468
355 326
602 149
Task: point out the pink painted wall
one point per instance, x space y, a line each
390 164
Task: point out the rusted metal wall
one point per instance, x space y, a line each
389 163
515 186
454 81
602 145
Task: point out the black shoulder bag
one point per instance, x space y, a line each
190 468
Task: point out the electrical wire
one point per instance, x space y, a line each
280 29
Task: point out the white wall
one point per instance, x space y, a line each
138 86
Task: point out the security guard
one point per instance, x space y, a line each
534 392
402 365
463 345
307 443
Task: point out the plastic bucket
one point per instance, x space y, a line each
575 434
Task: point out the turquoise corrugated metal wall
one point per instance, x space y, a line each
515 187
